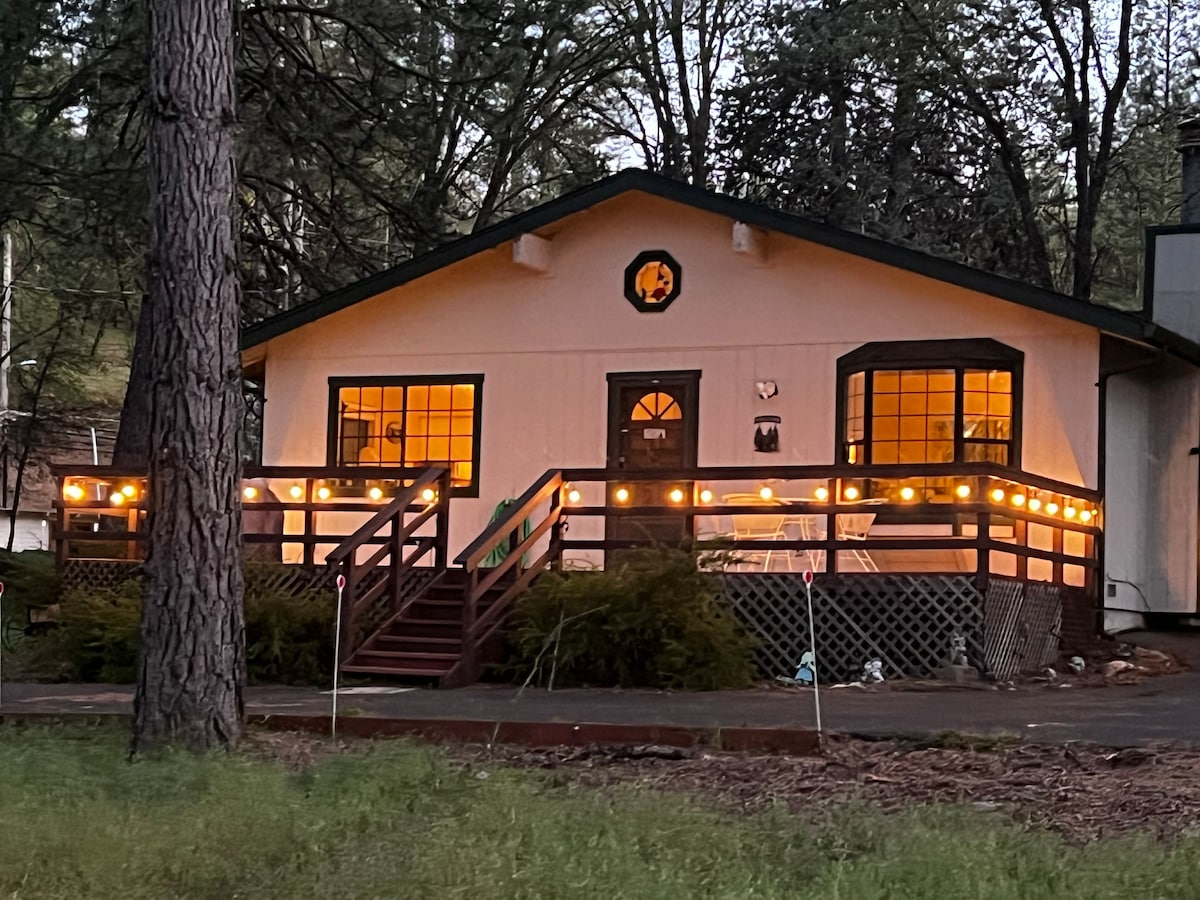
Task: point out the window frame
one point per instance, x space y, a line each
959 355
338 382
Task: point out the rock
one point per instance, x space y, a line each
1115 667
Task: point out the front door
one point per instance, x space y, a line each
652 427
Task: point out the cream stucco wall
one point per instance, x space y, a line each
545 342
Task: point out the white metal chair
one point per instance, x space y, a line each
757 527
854 527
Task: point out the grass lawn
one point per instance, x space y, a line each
394 820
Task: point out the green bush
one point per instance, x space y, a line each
657 618
289 637
29 582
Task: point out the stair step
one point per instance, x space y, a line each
419 643
408 656
395 670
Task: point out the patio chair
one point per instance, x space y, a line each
854 527
752 527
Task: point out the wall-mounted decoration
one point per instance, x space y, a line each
766 434
766 389
653 281
393 431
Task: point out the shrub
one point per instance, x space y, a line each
657 618
289 637
29 582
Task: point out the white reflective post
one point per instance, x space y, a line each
337 652
812 633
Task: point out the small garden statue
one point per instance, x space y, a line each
806 673
958 649
873 671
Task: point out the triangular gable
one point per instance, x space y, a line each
1105 319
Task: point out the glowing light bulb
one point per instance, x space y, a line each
375 493
765 492
963 491
851 493
706 496
1069 512
1085 516
116 498
1035 504
907 493
129 491
296 491
428 495
676 495
73 492
323 493
621 495
573 495
249 492
1051 508
998 495
821 493
1018 499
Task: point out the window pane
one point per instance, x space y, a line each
912 428
418 396
372 398
887 429
463 423
913 404
941 380
439 396
414 451
940 428
460 448
999 404
885 453
1000 382
912 451
439 423
941 404
417 423
975 381
940 451
464 396
887 404
887 382
393 399
974 404
439 449
914 382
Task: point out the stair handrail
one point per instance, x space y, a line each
343 557
507 527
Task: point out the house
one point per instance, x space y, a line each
640 360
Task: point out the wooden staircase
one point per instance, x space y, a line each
406 612
424 641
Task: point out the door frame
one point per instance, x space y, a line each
689 402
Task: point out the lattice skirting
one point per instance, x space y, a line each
905 621
262 577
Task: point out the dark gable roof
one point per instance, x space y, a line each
1109 320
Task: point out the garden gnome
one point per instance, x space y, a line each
807 671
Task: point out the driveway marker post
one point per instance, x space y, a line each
812 634
337 652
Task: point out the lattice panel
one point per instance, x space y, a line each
906 621
1023 626
100 574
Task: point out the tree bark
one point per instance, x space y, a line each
132 446
192 663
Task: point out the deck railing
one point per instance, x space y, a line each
985 518
290 513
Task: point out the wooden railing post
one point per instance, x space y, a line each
310 548
441 553
396 556
983 554
556 530
469 610
831 545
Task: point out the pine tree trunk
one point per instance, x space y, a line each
192 661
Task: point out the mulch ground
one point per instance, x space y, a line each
1081 792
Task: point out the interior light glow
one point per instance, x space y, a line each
907 493
1018 499
621 495
116 498
428 495
675 496
129 491
375 493
963 491
573 495
1069 511
998 495
706 496
1051 508
851 493
296 491
1085 516
1035 504
323 493
765 492
73 492
821 493
249 492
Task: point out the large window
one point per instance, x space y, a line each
930 402
411 422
